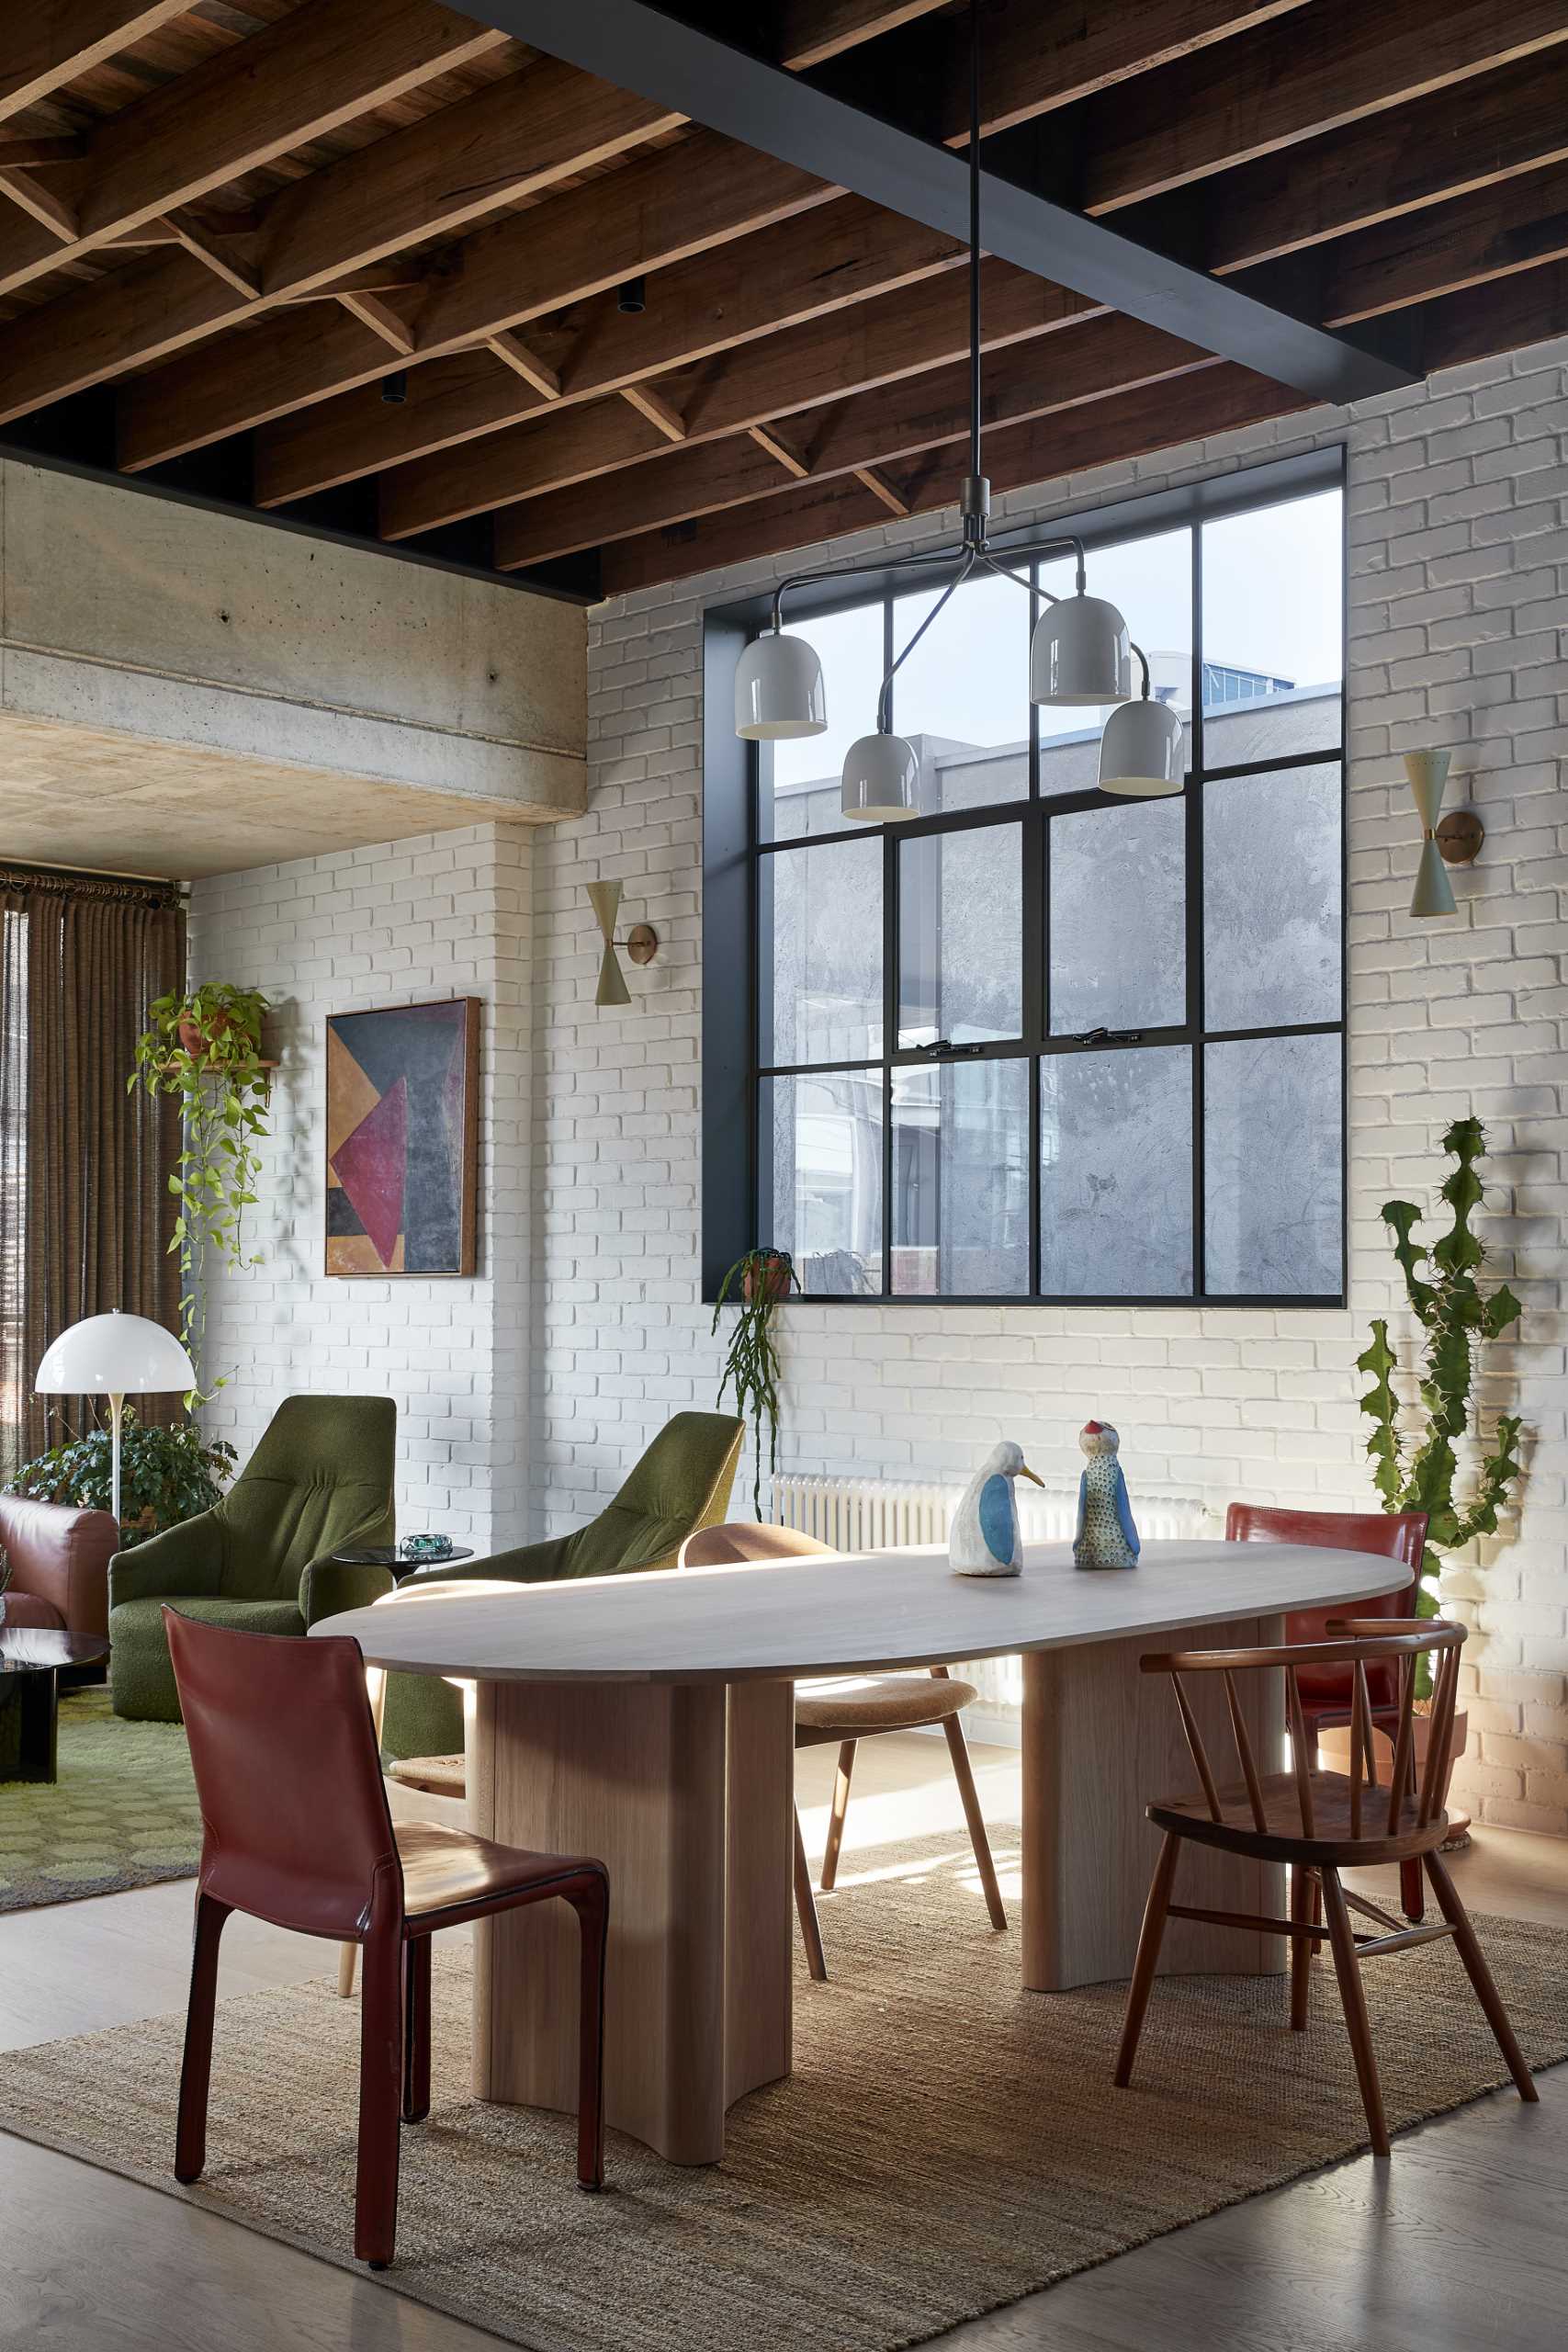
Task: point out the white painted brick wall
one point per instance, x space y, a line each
1460 560
447 914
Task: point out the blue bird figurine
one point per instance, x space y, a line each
1106 1536
984 1540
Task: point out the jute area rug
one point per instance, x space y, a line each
122 1813
945 2144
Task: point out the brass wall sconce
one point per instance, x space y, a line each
641 944
1454 840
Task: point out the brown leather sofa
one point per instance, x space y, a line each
60 1567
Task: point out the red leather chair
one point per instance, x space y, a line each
60 1569
297 1831
1327 1691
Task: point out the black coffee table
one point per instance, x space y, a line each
30 1660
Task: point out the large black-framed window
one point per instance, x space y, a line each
1044 1045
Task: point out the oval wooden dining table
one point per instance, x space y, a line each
648 1719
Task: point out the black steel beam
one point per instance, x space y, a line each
660 56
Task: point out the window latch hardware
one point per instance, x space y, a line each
946 1046
1109 1037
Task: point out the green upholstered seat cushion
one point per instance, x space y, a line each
142 1680
682 1483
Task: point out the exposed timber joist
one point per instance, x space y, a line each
723 86
49 43
1222 399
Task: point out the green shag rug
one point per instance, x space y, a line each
122 1813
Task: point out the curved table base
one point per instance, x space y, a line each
686 1791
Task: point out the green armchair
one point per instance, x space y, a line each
682 1483
319 1482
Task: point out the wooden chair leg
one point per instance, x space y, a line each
963 1772
593 1909
380 2094
1150 1938
195 2072
1411 1897
1304 1911
416 2028
835 1818
805 1904
1352 1993
347 1960
1480 1975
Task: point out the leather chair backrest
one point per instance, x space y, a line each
293 1806
60 1555
748 1539
325 1466
1397 1535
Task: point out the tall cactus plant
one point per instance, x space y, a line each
1417 1472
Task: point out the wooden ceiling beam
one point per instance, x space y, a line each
50 42
1094 361
1345 60
1489 130
1490 234
898 336
811 31
293 82
1221 399
703 304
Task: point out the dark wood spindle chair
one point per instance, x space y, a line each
1327 1692
296 1830
1321 1824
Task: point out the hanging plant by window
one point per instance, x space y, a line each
1416 1467
755 1284
203 1048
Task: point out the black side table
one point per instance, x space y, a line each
30 1660
387 1555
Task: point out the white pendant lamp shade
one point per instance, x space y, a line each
778 690
1081 653
882 779
1140 750
115 1355
1428 773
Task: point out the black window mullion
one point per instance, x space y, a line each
1194 825
891 991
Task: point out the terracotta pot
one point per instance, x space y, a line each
198 1040
777 1278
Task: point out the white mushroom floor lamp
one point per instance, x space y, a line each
115 1356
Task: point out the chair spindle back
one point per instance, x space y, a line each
1353 1644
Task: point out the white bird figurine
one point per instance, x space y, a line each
1106 1536
983 1540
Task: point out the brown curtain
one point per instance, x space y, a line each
86 1212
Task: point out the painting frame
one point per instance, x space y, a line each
433 1064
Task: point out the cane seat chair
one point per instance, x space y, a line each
848 1712
296 1830
1322 1824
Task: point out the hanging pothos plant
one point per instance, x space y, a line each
203 1048
1417 1472
754 1285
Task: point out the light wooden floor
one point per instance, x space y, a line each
1462 2245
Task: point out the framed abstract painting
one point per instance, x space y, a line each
403 1138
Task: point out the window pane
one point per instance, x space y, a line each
807 770
962 698
1273 1112
1116 1173
1273 583
961 937
960 1180
1150 582
822 910
1272 918
822 1178
1119 918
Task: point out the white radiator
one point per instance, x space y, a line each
878 1514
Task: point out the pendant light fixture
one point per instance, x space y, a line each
1081 654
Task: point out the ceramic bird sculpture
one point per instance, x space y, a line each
1106 1536
985 1540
